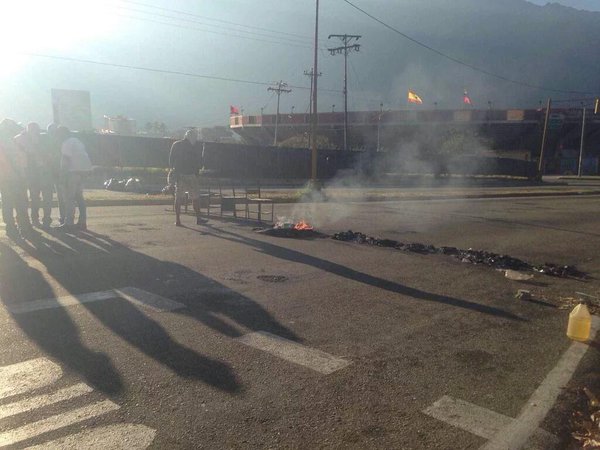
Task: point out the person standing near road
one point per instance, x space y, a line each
75 164
13 184
38 173
52 146
184 163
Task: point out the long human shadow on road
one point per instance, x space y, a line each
53 332
100 263
205 298
354 275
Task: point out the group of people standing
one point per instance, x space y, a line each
41 163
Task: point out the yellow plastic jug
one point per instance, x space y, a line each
580 323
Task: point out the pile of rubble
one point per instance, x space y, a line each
586 422
490 259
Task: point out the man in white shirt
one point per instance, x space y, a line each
74 165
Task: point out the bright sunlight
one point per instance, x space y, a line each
30 26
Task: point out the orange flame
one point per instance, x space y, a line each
302 225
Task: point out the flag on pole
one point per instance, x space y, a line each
414 98
233 110
467 99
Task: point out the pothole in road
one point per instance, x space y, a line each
272 278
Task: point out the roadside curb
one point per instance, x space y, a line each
357 199
169 201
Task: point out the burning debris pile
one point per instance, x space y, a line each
467 256
291 229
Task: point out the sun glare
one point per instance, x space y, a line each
30 26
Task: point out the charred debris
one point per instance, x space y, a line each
302 230
471 256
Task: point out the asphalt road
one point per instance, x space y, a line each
373 336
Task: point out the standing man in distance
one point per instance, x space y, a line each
13 182
75 164
184 163
53 148
39 178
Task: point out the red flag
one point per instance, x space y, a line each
467 99
233 110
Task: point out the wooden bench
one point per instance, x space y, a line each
229 203
229 199
254 197
209 196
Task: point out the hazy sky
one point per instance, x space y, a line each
256 41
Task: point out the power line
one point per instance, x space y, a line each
187 13
304 41
154 70
210 31
458 61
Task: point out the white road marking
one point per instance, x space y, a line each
131 294
111 437
55 422
296 353
148 299
503 432
477 420
27 376
40 401
467 416
516 434
68 300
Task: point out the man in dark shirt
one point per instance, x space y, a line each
184 162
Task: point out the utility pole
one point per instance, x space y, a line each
379 123
347 40
313 123
581 144
280 87
541 162
310 73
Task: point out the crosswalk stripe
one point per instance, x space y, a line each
131 294
148 299
55 422
129 436
40 401
28 375
67 300
292 351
